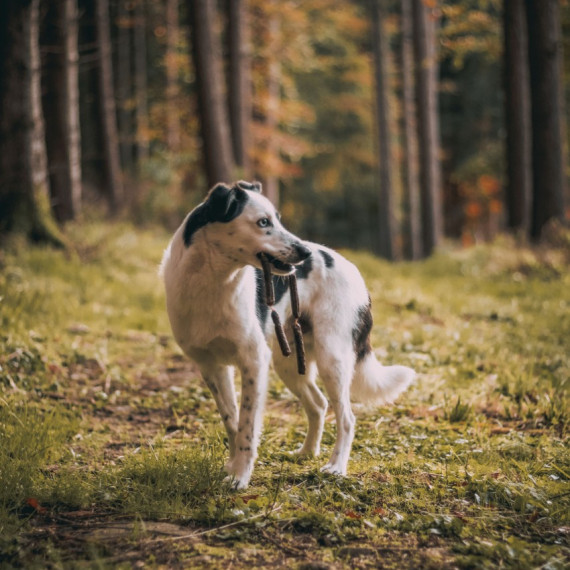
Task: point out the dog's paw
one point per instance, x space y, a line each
239 473
303 453
334 469
236 483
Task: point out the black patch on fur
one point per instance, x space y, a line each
361 332
223 204
280 286
303 270
329 261
305 322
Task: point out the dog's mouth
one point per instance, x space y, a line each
281 267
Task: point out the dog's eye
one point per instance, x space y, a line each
263 222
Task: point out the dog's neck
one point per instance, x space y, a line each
207 260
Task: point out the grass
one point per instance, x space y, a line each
111 450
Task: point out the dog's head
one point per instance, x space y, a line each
241 223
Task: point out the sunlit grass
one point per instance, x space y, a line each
100 413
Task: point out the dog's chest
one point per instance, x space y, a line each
215 318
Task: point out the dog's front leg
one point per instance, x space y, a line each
220 381
254 368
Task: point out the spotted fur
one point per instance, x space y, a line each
215 303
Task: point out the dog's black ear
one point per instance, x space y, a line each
251 186
225 203
218 201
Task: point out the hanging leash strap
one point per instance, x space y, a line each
297 331
295 310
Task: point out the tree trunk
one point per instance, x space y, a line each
270 179
172 90
517 116
410 141
545 56
386 220
124 84
24 191
216 135
240 87
141 90
428 128
112 164
61 105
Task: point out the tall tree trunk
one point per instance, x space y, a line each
545 55
428 128
172 90
386 220
124 84
240 87
270 179
216 135
24 190
410 141
517 116
61 105
112 164
141 91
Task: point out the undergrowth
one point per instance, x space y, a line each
103 422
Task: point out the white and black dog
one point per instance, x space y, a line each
216 305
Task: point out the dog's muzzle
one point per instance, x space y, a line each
299 254
302 251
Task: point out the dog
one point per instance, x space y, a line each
216 306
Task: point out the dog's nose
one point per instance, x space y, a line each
302 251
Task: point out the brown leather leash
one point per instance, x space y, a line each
295 311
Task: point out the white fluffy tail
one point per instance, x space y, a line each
374 384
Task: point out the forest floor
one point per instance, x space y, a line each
111 450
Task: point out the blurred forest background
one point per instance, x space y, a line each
377 124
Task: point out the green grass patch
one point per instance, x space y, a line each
112 452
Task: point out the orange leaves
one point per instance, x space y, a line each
482 207
488 185
495 207
380 511
473 210
34 503
482 198
467 30
247 498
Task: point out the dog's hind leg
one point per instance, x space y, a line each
336 369
220 381
312 399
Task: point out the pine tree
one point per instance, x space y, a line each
545 55
386 220
112 163
517 116
428 126
61 105
239 84
24 189
410 176
215 127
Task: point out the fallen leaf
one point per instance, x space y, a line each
35 505
352 515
